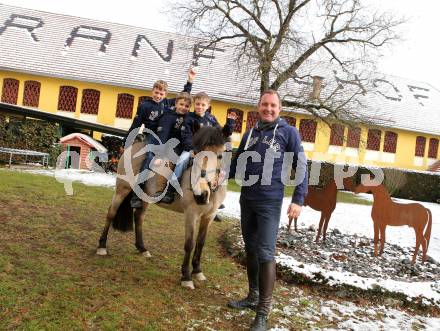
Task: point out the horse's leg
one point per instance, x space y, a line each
118 198
201 237
321 223
376 236
139 216
382 238
424 248
326 221
419 235
190 222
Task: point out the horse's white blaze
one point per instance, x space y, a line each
101 251
146 254
188 284
200 276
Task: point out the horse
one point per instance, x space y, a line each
387 212
323 200
202 195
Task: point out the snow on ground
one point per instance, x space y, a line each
348 218
67 176
353 219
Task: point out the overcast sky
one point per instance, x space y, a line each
415 58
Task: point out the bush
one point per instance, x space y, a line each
30 134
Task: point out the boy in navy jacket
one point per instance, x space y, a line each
148 114
262 195
192 123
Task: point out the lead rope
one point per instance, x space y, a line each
248 140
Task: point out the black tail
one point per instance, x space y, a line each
123 221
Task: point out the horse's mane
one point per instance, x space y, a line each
207 136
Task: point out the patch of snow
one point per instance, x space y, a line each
352 219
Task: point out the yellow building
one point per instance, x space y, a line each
100 71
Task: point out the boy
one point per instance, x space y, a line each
170 124
192 123
148 114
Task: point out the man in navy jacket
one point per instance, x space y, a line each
275 148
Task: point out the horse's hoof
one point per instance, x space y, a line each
200 276
146 254
187 284
101 251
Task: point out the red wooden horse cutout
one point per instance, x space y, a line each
387 212
323 200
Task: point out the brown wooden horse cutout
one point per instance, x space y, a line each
387 212
323 200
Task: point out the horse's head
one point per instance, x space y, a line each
348 184
208 145
361 188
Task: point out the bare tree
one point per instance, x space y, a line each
283 43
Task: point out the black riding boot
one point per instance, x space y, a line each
267 275
169 195
135 201
251 300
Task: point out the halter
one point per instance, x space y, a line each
203 175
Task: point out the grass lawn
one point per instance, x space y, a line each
51 279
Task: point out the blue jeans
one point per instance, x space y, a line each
149 155
181 165
260 221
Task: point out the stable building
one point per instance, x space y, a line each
100 72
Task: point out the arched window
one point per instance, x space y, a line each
290 120
373 140
353 137
307 130
420 146
124 107
337 135
31 95
67 98
90 102
10 90
239 120
433 148
390 143
252 119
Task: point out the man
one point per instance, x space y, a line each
260 203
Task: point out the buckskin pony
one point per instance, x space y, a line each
202 195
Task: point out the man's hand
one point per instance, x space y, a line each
191 74
232 115
294 210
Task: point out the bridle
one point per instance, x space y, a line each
212 187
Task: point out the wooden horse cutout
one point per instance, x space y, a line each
323 200
387 212
202 195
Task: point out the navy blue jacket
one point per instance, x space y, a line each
193 123
149 112
170 126
286 139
